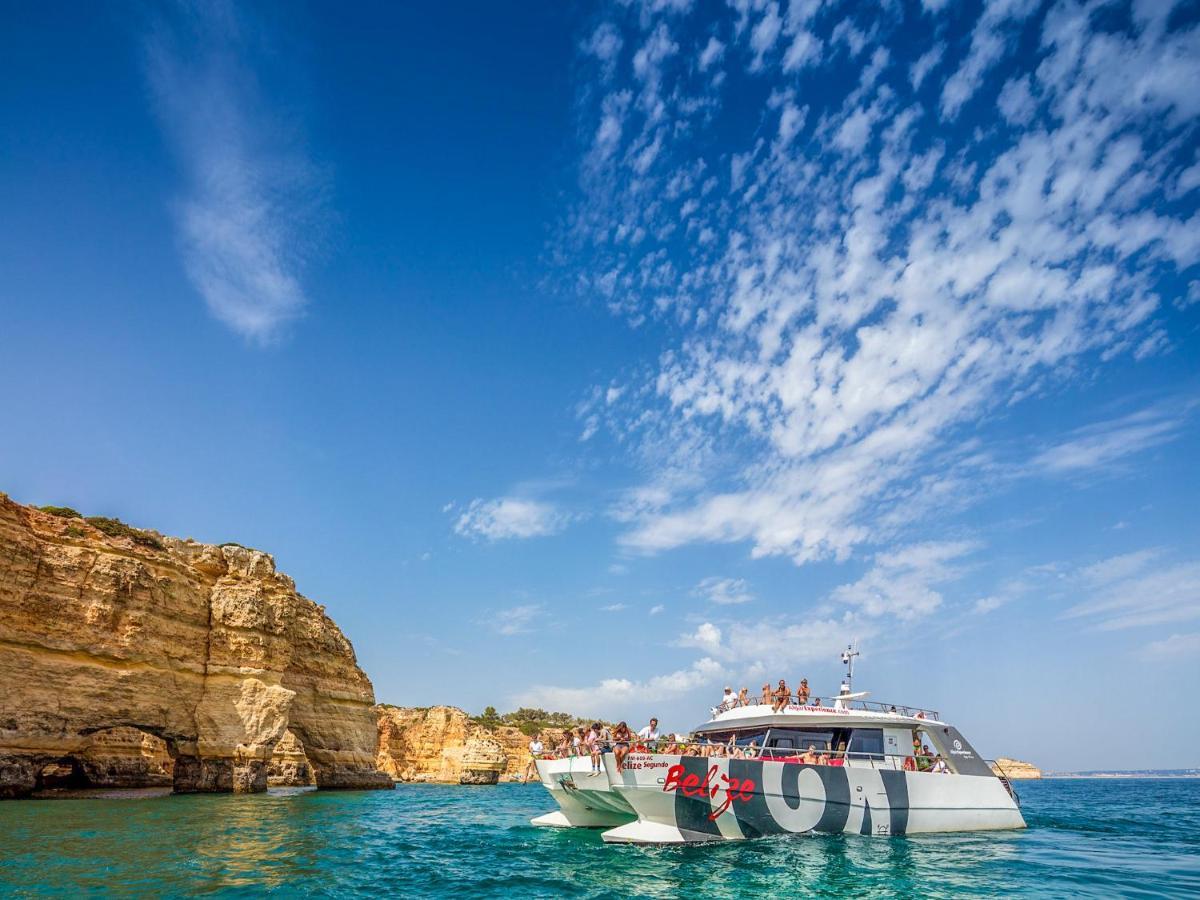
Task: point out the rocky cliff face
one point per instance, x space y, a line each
440 743
208 648
1016 769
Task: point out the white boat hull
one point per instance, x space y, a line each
685 799
584 800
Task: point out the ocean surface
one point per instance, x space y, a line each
1103 838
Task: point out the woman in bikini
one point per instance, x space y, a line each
622 737
802 692
766 695
743 697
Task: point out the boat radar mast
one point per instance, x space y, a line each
848 660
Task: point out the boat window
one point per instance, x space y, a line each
799 739
866 742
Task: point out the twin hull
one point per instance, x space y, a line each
673 799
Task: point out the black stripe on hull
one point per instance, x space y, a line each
897 794
692 813
837 799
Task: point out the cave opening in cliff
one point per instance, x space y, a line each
289 766
118 757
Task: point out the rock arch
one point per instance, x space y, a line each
208 648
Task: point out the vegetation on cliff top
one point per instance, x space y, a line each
63 512
529 721
117 528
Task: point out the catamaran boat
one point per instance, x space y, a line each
850 765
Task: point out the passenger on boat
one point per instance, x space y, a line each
594 747
816 701
766 695
743 697
535 750
579 743
802 692
564 745
728 701
839 758
752 750
650 732
810 756
622 737
782 695
925 760
940 766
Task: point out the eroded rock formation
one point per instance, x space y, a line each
442 744
208 648
1016 769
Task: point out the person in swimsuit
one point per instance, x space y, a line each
802 692
766 695
743 697
782 695
594 747
622 737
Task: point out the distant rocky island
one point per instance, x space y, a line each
1015 769
132 659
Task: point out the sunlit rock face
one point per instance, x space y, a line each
442 744
208 648
1015 768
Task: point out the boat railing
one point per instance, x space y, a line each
853 758
835 702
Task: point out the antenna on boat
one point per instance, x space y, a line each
848 660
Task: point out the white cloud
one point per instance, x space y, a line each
613 696
875 291
1173 647
656 609
712 53
510 517
706 637
250 211
1138 589
902 583
1107 443
515 619
724 591
614 607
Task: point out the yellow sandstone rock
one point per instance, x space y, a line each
1015 769
442 744
208 648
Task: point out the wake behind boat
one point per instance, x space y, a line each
789 764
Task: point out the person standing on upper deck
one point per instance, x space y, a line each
802 692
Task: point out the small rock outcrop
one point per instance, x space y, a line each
1015 769
442 744
207 648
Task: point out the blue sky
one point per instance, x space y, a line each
596 356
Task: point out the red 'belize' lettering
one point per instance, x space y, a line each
691 785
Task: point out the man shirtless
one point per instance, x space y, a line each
782 695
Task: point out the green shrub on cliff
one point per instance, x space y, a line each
528 721
63 512
117 528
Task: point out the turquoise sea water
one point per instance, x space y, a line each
1087 837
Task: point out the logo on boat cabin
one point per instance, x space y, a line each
957 744
643 761
691 785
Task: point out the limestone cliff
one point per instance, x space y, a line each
442 744
208 648
1016 769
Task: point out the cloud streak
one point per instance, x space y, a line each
252 200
